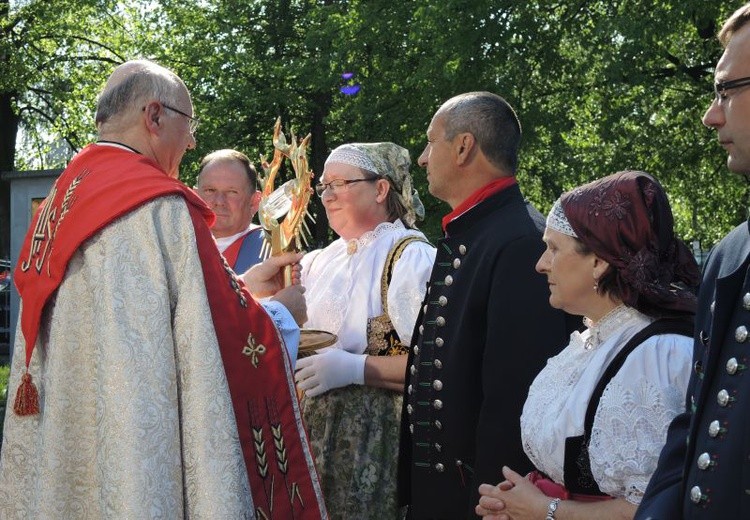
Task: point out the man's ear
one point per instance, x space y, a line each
153 116
255 201
463 146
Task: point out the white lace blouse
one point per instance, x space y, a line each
632 418
343 284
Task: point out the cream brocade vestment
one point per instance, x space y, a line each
137 420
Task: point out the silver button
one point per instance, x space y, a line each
437 384
440 321
723 398
424 309
732 366
438 447
696 495
429 289
740 334
713 306
410 389
448 280
443 301
437 404
704 461
462 249
456 263
409 409
411 428
421 329
439 342
438 425
746 301
439 468
714 428
438 364
413 370
416 350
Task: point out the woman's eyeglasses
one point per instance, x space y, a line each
337 184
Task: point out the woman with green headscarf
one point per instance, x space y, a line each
366 287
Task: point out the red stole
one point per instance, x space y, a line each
100 184
103 183
233 250
478 196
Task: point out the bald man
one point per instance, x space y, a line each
129 399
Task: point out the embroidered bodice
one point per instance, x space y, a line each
343 284
633 414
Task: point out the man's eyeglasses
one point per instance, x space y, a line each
720 88
337 184
193 121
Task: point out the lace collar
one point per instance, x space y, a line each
597 333
368 237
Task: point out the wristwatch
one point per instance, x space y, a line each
551 508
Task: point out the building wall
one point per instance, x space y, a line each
27 189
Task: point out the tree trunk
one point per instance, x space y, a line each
8 132
319 153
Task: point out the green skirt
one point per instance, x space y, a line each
354 433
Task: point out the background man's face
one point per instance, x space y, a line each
225 187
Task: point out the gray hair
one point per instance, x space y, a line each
230 155
491 120
147 81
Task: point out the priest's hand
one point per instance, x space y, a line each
293 298
267 278
331 368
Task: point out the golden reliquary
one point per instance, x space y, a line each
283 212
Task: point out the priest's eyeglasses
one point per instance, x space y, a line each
720 88
338 185
193 121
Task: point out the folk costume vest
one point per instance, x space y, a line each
103 183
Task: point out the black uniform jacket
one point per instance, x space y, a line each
704 468
484 332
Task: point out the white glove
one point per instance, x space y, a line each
332 368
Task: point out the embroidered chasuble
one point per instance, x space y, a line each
164 389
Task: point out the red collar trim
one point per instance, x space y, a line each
478 196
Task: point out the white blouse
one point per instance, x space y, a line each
630 426
343 284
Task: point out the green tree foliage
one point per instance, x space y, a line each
53 59
599 86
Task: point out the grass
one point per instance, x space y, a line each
4 373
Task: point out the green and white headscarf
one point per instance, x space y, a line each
384 160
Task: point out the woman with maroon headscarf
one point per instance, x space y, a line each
597 415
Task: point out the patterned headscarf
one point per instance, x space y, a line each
626 220
384 160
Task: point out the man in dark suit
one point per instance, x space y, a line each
704 469
486 327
